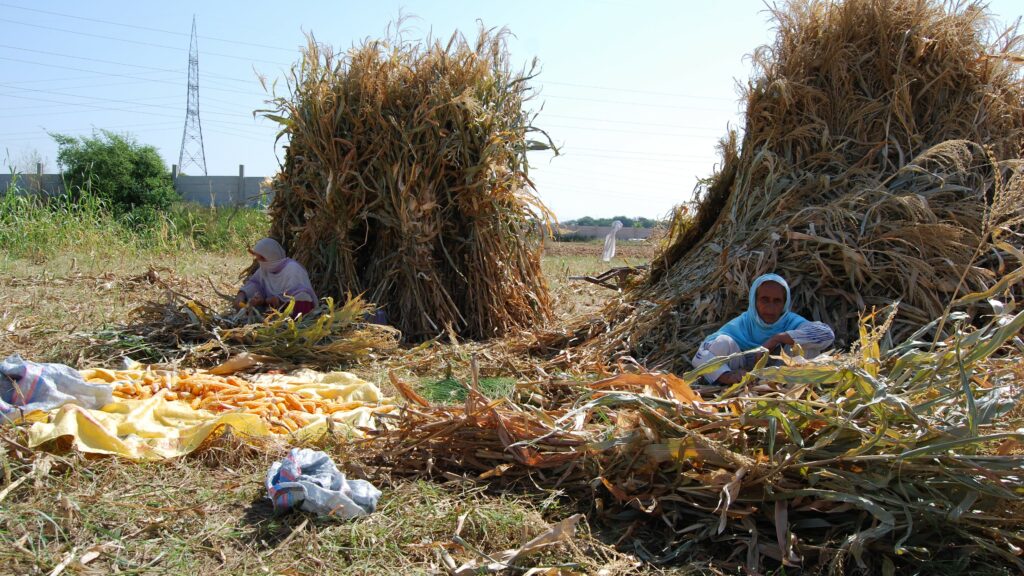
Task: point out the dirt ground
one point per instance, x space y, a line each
628 252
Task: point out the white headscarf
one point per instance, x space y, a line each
278 275
271 250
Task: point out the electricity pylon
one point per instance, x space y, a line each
192 152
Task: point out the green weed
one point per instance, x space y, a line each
450 390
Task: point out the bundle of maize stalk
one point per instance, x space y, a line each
405 178
285 408
880 162
185 329
874 461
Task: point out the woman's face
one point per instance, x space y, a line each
770 301
258 257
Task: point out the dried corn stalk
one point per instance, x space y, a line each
870 462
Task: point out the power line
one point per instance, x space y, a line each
656 124
115 63
66 78
654 172
20 61
626 173
97 98
631 103
648 190
630 175
100 21
620 131
225 132
636 91
606 193
175 124
36 132
645 153
647 160
126 128
138 42
111 109
52 106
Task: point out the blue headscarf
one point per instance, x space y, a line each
748 329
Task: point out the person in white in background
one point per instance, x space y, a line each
609 242
768 322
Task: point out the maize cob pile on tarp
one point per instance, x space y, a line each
879 162
163 413
875 461
406 180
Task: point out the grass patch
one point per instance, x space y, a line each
452 390
208 514
37 229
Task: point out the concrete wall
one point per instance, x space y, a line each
50 184
223 190
206 190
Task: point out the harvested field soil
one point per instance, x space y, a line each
629 253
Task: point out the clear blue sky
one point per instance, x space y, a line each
637 92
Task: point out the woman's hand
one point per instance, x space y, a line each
273 301
731 377
256 300
780 339
240 299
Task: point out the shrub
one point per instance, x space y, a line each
129 177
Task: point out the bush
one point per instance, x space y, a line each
129 177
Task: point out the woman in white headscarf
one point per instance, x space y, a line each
768 323
277 280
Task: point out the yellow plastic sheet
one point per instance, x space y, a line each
156 428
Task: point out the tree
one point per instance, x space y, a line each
128 176
27 162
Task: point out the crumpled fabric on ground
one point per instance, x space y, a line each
150 429
308 480
28 386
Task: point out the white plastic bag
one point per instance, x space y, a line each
27 386
308 480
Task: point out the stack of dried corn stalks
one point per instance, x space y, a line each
880 162
406 179
869 462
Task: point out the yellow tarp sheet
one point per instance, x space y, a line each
155 428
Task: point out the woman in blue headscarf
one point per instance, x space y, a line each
768 322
